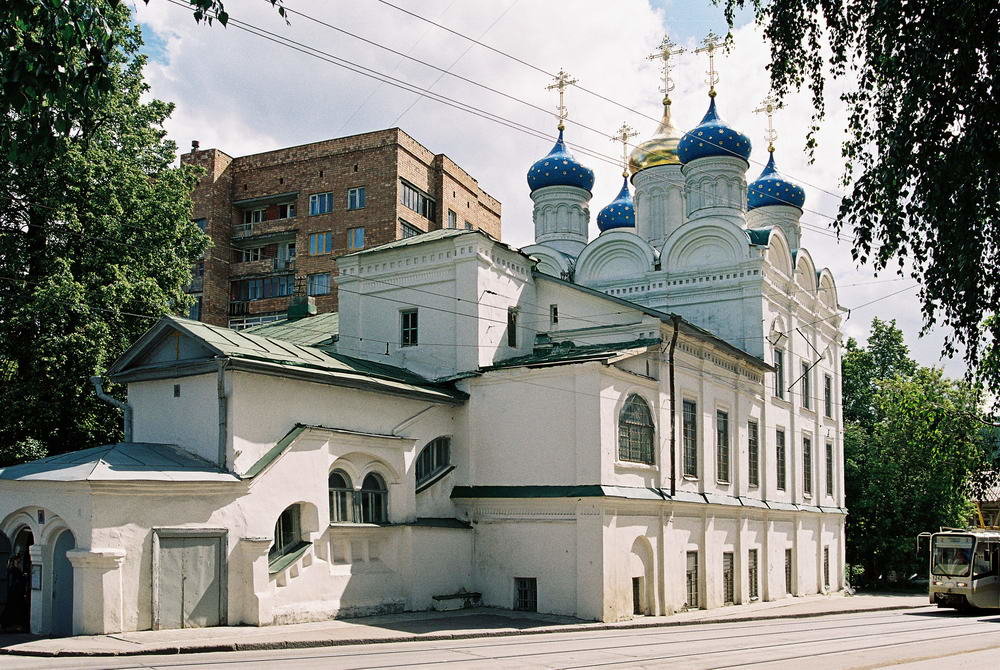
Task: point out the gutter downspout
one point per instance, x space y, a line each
673 409
223 412
98 383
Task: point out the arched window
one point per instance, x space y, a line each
287 533
433 459
635 431
341 497
374 500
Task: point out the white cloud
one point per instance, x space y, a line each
243 94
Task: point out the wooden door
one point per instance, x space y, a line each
189 582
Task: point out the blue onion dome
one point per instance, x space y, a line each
660 149
771 188
559 168
620 213
712 137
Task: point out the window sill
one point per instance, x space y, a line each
808 410
434 479
723 482
689 478
781 402
636 465
357 524
279 563
753 486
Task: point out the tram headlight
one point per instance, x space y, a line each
961 585
937 583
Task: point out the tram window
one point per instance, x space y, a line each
982 564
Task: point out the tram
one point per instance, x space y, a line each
965 568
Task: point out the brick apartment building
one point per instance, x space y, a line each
279 219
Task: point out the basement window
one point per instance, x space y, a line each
177 390
526 594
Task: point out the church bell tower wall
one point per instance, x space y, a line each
659 202
562 216
784 217
716 187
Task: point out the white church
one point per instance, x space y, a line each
635 424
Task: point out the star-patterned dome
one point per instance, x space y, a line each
620 213
559 168
660 149
712 137
771 188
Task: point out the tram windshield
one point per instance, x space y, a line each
951 555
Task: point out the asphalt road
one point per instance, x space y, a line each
912 639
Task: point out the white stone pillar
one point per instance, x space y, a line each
97 590
38 601
254 606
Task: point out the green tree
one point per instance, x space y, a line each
923 139
95 227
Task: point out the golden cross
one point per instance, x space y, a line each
562 81
769 106
667 50
623 135
709 45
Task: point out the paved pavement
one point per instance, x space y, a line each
425 626
916 639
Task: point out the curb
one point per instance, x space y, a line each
431 637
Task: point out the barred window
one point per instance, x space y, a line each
690 438
722 445
753 451
635 431
434 458
691 578
287 533
374 500
341 497
753 571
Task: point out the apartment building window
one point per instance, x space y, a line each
254 215
753 572
512 326
249 255
635 431
806 386
320 243
320 203
408 230
286 210
779 458
526 594
829 468
691 580
553 315
319 284
356 238
201 223
722 446
194 311
356 197
826 567
753 452
728 579
262 287
408 328
828 396
690 435
415 199
468 225
779 373
788 571
807 468
199 269
452 219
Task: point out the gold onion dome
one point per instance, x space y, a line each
660 149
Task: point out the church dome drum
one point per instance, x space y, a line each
712 137
770 188
559 168
620 213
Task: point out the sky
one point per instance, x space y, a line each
242 93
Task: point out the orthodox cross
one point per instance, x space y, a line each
562 81
667 50
709 45
623 135
769 106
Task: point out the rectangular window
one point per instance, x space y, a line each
408 328
807 467
356 198
722 446
319 284
408 230
468 225
690 434
691 577
779 458
806 386
356 238
728 579
253 215
320 203
194 311
829 468
779 373
415 199
788 571
512 327
262 287
452 219
826 567
828 396
553 315
286 210
753 451
753 571
320 243
199 269
248 255
526 594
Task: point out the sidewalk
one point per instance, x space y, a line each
413 626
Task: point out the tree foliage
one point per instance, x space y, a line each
914 446
95 227
923 139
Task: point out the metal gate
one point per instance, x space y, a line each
188 579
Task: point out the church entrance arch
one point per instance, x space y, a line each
641 573
17 608
62 584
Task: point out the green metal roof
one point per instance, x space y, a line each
432 236
561 353
308 331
